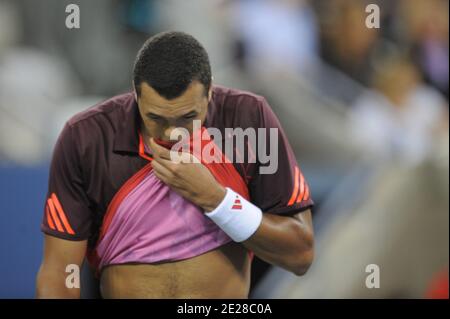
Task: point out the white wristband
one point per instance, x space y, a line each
236 216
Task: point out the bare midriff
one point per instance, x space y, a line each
220 273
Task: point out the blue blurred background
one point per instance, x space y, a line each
366 111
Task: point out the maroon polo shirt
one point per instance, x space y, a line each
98 151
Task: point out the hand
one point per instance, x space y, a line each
189 178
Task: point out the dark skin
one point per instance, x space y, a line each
221 273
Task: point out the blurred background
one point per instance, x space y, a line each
365 109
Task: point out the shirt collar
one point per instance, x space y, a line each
127 134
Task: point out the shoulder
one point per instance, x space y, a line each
110 109
232 97
94 128
239 107
223 92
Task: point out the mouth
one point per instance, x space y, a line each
169 144
166 144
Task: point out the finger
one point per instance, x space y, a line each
161 177
167 164
158 150
177 157
161 169
185 157
164 179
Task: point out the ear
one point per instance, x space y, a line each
135 93
210 89
209 94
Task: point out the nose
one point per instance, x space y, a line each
178 133
168 131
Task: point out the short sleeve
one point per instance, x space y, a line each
278 185
67 214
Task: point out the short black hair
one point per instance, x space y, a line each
169 62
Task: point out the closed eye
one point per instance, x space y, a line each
154 117
190 115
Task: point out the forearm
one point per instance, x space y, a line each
283 241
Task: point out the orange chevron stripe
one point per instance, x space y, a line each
306 197
54 215
49 219
302 189
294 192
61 214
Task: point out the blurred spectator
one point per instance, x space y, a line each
426 30
276 35
401 117
346 43
418 26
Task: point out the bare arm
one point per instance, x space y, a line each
285 241
51 278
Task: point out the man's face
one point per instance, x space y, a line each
161 116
